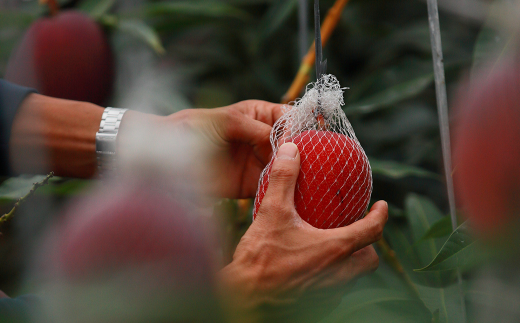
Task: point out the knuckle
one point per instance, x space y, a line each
249 102
368 259
372 259
342 248
184 118
271 205
231 115
281 172
185 114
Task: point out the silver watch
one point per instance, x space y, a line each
106 139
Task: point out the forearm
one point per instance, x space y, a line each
50 134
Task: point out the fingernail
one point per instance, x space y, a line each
287 151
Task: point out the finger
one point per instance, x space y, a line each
359 264
365 231
234 127
282 178
276 112
268 112
262 111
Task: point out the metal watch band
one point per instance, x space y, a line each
106 139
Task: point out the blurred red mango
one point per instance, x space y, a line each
146 257
487 148
65 56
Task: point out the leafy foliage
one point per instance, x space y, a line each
459 251
380 305
231 50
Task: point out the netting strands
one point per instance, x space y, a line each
335 181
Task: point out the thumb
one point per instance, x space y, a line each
283 176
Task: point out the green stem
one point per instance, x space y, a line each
6 217
390 257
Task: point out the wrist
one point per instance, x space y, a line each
50 134
135 120
234 286
117 132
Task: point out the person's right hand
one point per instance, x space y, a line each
282 260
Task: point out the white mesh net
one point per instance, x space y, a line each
335 181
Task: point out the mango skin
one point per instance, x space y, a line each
335 181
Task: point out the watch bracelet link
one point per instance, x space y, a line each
106 139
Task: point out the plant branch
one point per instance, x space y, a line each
8 216
302 77
390 257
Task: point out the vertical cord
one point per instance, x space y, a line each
319 55
303 14
442 107
317 37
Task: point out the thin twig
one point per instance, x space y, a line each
302 77
390 257
442 107
8 216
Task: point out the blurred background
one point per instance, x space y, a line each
207 54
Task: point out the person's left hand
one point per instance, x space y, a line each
240 135
286 270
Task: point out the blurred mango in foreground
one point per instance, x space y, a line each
487 147
130 252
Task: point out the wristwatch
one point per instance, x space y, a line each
106 139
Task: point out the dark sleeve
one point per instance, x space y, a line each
23 309
11 96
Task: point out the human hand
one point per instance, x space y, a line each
282 259
239 134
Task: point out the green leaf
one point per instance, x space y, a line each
459 251
390 96
397 170
421 213
196 8
487 45
493 42
435 316
16 19
275 17
15 187
397 237
141 30
379 305
394 211
439 229
96 8
446 301
65 186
